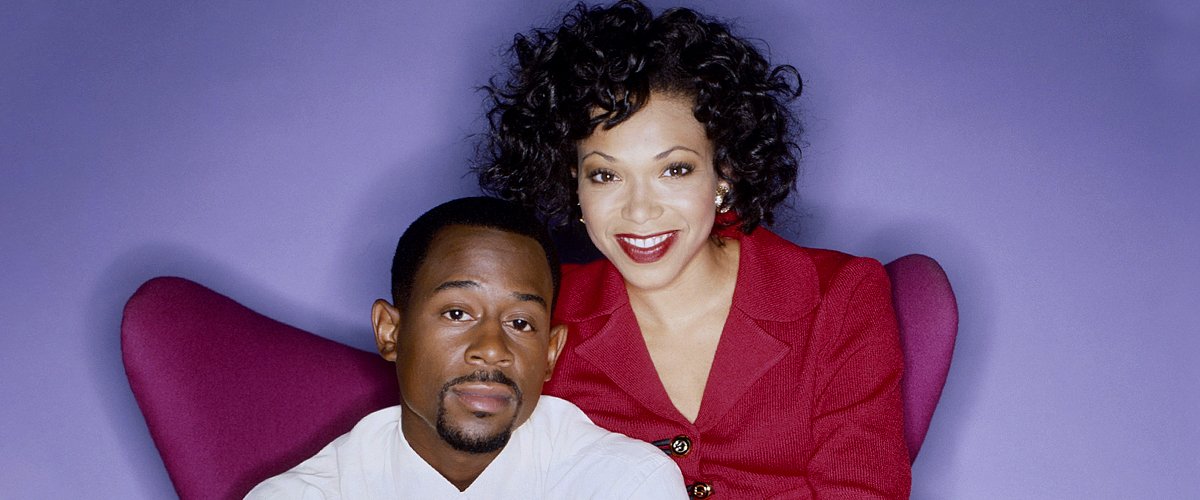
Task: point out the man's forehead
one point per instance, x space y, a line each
492 240
479 255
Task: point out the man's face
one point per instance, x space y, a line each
473 345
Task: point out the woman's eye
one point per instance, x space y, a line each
456 315
677 170
521 325
602 176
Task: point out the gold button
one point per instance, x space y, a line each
700 490
681 445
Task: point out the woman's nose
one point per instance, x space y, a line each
641 203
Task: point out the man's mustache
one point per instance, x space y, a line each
494 376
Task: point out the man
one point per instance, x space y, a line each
473 283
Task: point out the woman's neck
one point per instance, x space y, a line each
704 285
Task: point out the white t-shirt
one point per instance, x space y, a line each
557 453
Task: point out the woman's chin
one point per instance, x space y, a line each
650 275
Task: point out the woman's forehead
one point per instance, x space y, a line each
662 124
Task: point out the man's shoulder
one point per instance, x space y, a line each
593 462
573 432
320 476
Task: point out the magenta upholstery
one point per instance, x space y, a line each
232 397
928 316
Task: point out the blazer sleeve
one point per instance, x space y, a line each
857 419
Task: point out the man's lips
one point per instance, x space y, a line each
484 397
644 249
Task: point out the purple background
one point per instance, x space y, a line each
1044 152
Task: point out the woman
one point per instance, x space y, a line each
764 368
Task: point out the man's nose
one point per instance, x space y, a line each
489 345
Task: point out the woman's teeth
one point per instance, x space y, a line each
646 242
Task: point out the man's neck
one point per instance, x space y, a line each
458 467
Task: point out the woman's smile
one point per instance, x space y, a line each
646 249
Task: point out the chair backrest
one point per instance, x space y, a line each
928 317
232 397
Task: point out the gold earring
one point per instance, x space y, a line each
719 200
581 221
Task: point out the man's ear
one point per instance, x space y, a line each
558 338
385 318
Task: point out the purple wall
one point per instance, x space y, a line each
1045 153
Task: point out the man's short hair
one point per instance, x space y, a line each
479 211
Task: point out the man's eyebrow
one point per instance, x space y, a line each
530 297
526 297
456 284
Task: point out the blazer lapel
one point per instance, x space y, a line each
776 283
744 353
618 350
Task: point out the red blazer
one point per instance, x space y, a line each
803 398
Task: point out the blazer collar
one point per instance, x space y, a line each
777 282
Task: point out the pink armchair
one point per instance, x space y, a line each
232 397
928 316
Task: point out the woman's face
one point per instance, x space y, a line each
646 188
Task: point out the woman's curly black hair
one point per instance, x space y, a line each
609 59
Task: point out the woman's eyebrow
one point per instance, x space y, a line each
672 150
597 153
659 156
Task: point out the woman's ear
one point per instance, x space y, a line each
725 174
725 185
385 319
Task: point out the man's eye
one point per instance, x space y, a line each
456 315
521 325
678 170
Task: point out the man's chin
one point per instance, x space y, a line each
476 432
473 442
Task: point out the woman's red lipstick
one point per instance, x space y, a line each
646 249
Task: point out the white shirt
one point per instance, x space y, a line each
557 453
